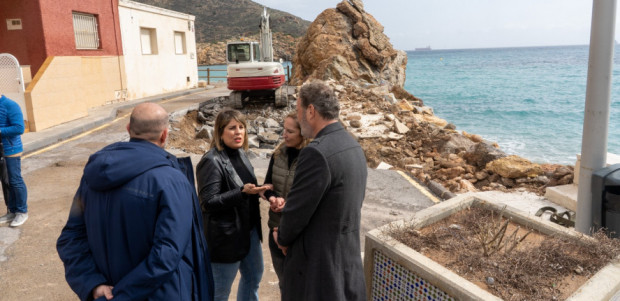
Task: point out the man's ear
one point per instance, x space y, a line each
163 137
127 127
310 111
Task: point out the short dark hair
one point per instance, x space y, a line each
322 97
221 121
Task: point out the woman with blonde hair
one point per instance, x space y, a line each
279 179
228 194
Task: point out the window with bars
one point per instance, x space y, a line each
85 29
179 42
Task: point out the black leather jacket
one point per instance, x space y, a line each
225 209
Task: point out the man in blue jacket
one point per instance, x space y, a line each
135 229
11 129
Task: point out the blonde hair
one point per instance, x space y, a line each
221 121
304 140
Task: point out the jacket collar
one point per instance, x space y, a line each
330 128
230 169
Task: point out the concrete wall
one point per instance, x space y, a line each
404 263
165 71
67 86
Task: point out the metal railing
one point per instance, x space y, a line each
217 73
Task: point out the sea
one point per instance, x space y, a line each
530 100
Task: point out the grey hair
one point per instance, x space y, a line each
322 97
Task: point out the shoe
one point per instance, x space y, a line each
7 218
20 219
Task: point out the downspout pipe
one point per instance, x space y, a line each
596 114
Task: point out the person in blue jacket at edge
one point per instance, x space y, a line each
135 227
11 129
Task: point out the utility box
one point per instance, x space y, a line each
606 199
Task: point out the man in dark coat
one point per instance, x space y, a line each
319 229
135 229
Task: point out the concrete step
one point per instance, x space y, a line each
564 195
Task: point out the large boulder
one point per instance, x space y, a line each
456 144
513 167
346 43
482 153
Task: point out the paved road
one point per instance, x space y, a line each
29 266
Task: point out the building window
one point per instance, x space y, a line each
148 40
179 42
85 29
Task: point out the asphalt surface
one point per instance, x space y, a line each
29 250
390 195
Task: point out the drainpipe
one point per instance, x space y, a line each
596 115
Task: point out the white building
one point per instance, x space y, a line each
159 49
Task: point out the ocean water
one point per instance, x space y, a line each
529 100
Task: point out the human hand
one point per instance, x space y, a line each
276 203
103 291
267 187
250 188
275 238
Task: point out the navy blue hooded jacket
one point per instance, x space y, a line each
135 224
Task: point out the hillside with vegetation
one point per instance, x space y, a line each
219 21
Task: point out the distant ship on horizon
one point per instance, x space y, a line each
427 48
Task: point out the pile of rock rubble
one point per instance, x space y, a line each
346 48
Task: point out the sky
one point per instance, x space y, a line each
460 24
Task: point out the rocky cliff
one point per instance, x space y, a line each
346 43
347 48
220 20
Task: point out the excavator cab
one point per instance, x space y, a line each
240 52
251 71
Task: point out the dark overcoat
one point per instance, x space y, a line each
321 220
135 225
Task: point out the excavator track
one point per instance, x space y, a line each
281 97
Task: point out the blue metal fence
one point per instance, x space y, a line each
217 73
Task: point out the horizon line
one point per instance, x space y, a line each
492 47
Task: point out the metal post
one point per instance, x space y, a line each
288 74
596 115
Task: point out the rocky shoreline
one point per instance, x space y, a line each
346 47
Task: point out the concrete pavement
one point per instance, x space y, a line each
412 198
390 195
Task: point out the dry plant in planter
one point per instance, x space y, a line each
507 260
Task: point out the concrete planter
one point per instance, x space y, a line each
396 272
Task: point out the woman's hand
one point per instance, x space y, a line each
276 203
250 188
268 187
275 238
